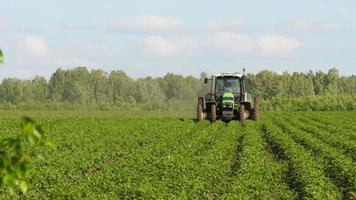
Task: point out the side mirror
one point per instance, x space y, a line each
206 80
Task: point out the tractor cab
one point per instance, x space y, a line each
228 83
226 86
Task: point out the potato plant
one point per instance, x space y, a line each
114 156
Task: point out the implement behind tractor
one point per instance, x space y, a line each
228 99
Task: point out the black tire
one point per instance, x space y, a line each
200 113
213 113
256 109
242 112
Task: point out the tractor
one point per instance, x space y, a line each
228 99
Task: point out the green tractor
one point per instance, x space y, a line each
228 99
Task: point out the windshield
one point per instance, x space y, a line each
228 84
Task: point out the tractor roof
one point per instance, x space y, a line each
229 74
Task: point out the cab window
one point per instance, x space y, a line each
228 84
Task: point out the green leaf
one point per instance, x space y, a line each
51 145
23 186
36 133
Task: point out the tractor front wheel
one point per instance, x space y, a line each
200 113
213 112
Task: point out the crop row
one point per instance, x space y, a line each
340 124
142 159
90 151
163 167
337 166
306 176
259 174
335 139
110 157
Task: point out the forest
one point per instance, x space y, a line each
80 88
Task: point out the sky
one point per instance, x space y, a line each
152 38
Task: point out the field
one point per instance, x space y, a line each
295 155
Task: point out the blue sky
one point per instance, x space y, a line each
151 38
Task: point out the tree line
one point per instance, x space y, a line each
97 89
268 84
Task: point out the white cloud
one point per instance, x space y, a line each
264 45
158 45
307 25
278 45
231 25
233 42
34 46
150 23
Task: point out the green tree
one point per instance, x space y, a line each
56 85
11 90
99 83
300 85
40 89
266 84
332 81
148 90
120 86
177 87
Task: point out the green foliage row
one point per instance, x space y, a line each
146 158
258 175
341 123
106 155
338 167
305 173
338 140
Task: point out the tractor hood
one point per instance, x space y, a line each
227 100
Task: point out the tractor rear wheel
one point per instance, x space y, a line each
200 113
213 112
242 112
256 109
